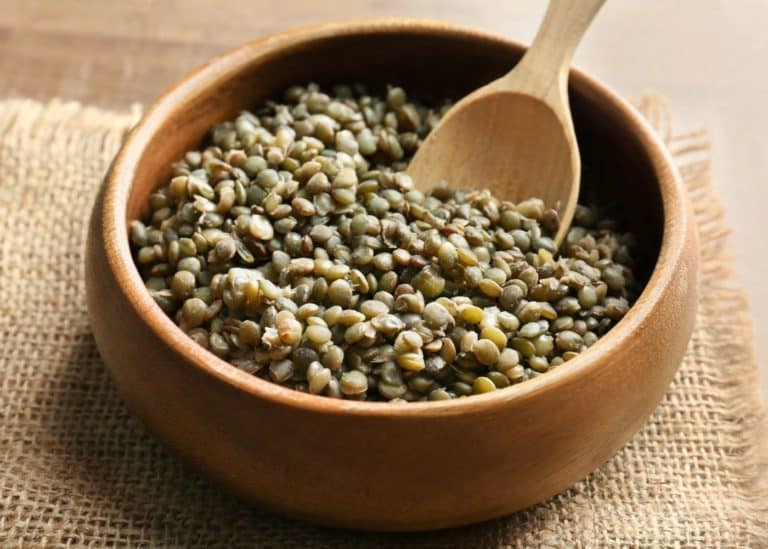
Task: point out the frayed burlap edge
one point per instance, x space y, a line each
692 154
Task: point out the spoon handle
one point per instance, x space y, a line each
548 59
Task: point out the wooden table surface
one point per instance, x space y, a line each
704 55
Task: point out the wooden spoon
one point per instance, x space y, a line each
515 135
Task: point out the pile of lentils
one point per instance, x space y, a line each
295 247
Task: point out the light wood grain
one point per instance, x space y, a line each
476 143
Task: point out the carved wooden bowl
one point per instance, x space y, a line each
382 466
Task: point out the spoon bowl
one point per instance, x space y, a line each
500 151
515 136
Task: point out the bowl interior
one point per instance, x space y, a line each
429 63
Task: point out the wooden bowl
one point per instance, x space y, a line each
385 466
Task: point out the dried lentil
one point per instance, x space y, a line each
296 247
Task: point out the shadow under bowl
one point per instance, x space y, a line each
379 466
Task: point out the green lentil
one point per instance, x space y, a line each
587 297
333 358
412 361
530 312
294 245
530 330
439 394
490 287
372 308
193 311
281 371
486 352
508 358
483 385
288 328
429 283
318 378
436 316
339 293
568 340
499 379
523 346
494 334
471 314
408 341
590 338
182 284
543 344
539 363
318 334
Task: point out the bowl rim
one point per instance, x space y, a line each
118 181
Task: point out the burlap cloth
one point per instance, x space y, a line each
77 470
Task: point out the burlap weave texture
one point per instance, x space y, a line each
77 470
